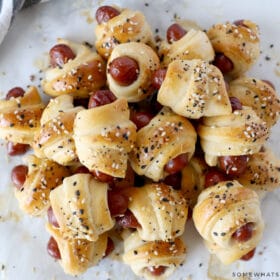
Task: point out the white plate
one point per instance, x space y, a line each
23 239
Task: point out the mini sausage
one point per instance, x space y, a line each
244 233
175 32
233 165
223 63
140 119
15 149
176 164
213 176
128 220
15 92
18 175
60 54
124 70
101 97
158 78
105 13
235 103
117 203
53 249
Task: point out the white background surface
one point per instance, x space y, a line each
22 239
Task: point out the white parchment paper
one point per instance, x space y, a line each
23 53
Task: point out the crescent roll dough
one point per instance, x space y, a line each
193 45
128 26
54 140
193 180
164 138
43 176
77 255
104 136
20 117
240 133
81 208
262 172
223 209
258 95
78 77
143 256
148 62
160 210
239 43
194 88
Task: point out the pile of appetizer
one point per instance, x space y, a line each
139 136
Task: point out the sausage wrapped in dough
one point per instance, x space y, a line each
20 117
43 176
147 61
160 210
77 255
78 77
80 206
222 211
164 138
194 88
239 43
154 259
104 136
128 26
258 95
54 140
239 133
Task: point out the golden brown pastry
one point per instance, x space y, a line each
104 136
160 210
147 61
239 133
128 26
164 138
20 117
193 180
239 43
77 255
193 45
81 208
154 259
79 76
194 88
262 172
43 176
222 213
259 95
54 140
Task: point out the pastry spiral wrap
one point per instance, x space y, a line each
20 117
193 45
54 140
223 209
78 77
239 43
81 208
128 26
104 136
194 88
258 95
164 138
77 255
141 255
43 176
148 62
160 210
262 172
193 180
239 133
